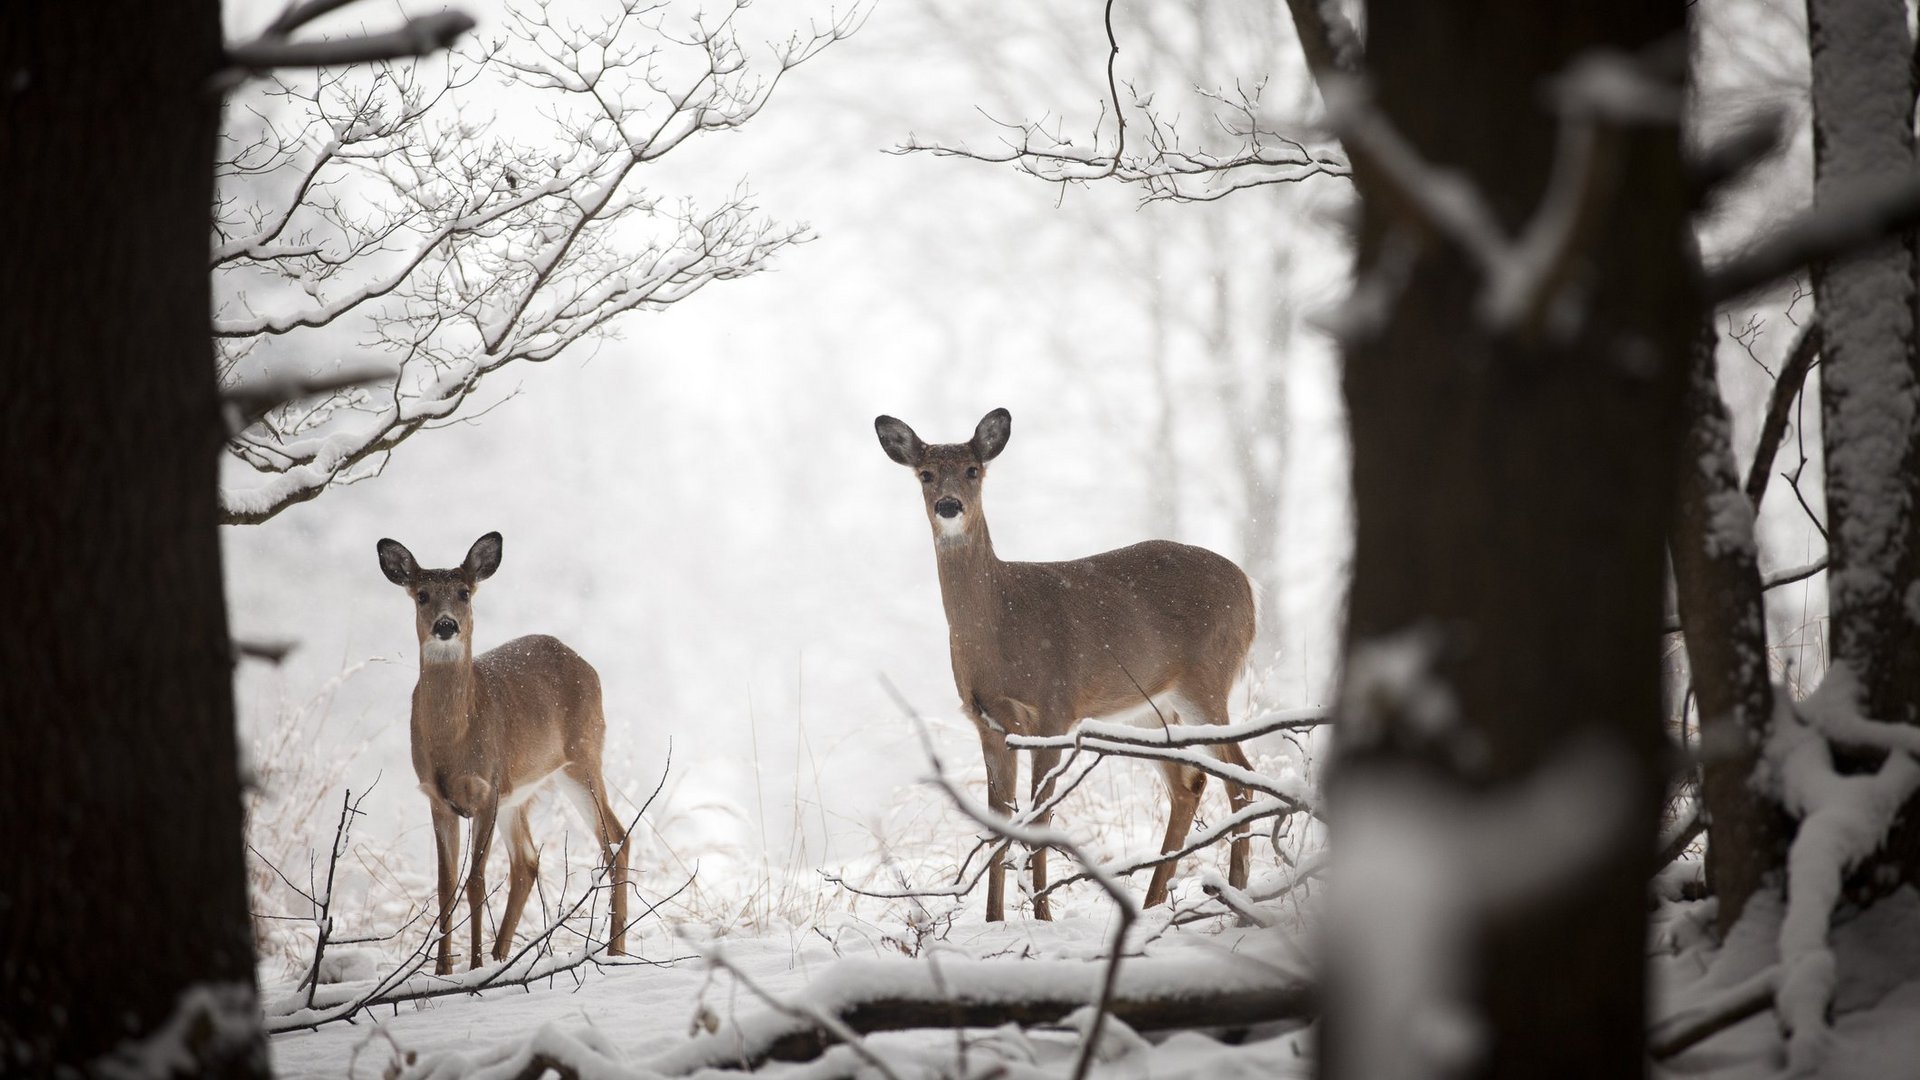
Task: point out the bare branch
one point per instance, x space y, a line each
1681 836
1786 388
420 35
1871 212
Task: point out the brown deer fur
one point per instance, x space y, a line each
489 732
1158 627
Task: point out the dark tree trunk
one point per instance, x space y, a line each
1718 573
1513 497
1862 131
1869 385
122 898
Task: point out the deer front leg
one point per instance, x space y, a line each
1000 776
1044 762
446 848
485 810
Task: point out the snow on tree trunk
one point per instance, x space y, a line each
1863 95
1512 497
125 944
1718 573
1869 399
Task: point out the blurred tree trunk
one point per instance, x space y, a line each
1512 499
123 915
1863 112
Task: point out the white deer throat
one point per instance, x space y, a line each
435 651
951 530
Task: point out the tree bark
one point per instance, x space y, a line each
1512 500
1870 386
123 916
1869 393
1717 569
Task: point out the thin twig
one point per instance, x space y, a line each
1786 387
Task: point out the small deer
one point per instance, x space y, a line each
489 732
1158 631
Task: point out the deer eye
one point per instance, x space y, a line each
926 477
421 596
464 594
973 472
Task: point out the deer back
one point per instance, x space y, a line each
539 705
1092 636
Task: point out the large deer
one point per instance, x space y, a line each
1158 630
489 732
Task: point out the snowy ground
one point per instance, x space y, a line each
638 1015
1876 1007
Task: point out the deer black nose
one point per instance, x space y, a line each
947 507
445 629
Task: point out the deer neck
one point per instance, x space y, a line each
445 699
970 576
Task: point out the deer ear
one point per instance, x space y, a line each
899 441
483 558
397 562
990 437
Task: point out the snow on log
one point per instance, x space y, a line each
868 996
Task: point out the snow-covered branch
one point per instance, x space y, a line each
1179 735
1524 275
1843 820
368 211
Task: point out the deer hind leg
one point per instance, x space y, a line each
587 790
1184 785
523 860
1000 776
1044 762
1238 798
446 850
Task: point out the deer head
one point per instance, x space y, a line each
443 599
950 473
